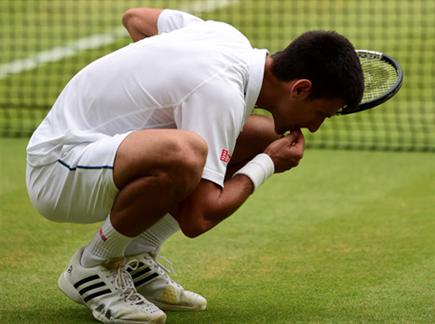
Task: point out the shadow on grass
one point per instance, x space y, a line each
73 314
48 315
232 313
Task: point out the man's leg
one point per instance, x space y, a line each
153 238
151 281
159 288
154 170
257 134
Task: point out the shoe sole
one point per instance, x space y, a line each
172 307
102 318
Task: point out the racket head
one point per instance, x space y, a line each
383 77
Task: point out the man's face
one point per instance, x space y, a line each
309 114
296 111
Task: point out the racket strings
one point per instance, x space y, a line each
379 78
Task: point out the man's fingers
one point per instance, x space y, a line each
295 136
298 145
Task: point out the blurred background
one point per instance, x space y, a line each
45 42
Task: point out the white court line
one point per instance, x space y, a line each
94 41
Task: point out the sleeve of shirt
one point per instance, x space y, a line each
170 20
216 113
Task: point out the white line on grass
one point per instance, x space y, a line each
94 41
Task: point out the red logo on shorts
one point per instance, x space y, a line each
225 156
103 237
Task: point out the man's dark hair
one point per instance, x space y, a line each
328 60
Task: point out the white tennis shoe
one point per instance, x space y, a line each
109 292
153 282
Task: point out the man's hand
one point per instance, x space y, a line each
287 151
209 204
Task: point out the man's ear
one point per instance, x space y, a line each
301 88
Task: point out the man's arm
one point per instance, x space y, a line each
141 22
209 204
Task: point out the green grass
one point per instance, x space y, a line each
347 237
399 28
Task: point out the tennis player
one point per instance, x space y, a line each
158 136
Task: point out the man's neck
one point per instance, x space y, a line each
270 88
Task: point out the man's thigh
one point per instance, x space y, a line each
82 185
147 152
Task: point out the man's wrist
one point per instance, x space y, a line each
259 169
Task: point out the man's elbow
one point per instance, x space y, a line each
128 16
141 22
195 228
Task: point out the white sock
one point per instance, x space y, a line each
107 244
152 239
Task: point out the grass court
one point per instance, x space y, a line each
346 237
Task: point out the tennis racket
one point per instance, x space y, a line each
383 78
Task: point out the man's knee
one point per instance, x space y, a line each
197 148
176 154
188 160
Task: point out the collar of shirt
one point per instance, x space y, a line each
255 79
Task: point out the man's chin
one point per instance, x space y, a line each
289 130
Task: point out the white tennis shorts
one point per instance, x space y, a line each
79 186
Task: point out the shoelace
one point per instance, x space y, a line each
124 283
169 268
164 270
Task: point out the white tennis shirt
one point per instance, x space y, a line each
201 76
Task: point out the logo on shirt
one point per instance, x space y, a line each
225 156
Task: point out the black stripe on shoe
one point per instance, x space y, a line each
145 280
85 280
91 288
99 293
94 286
140 273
